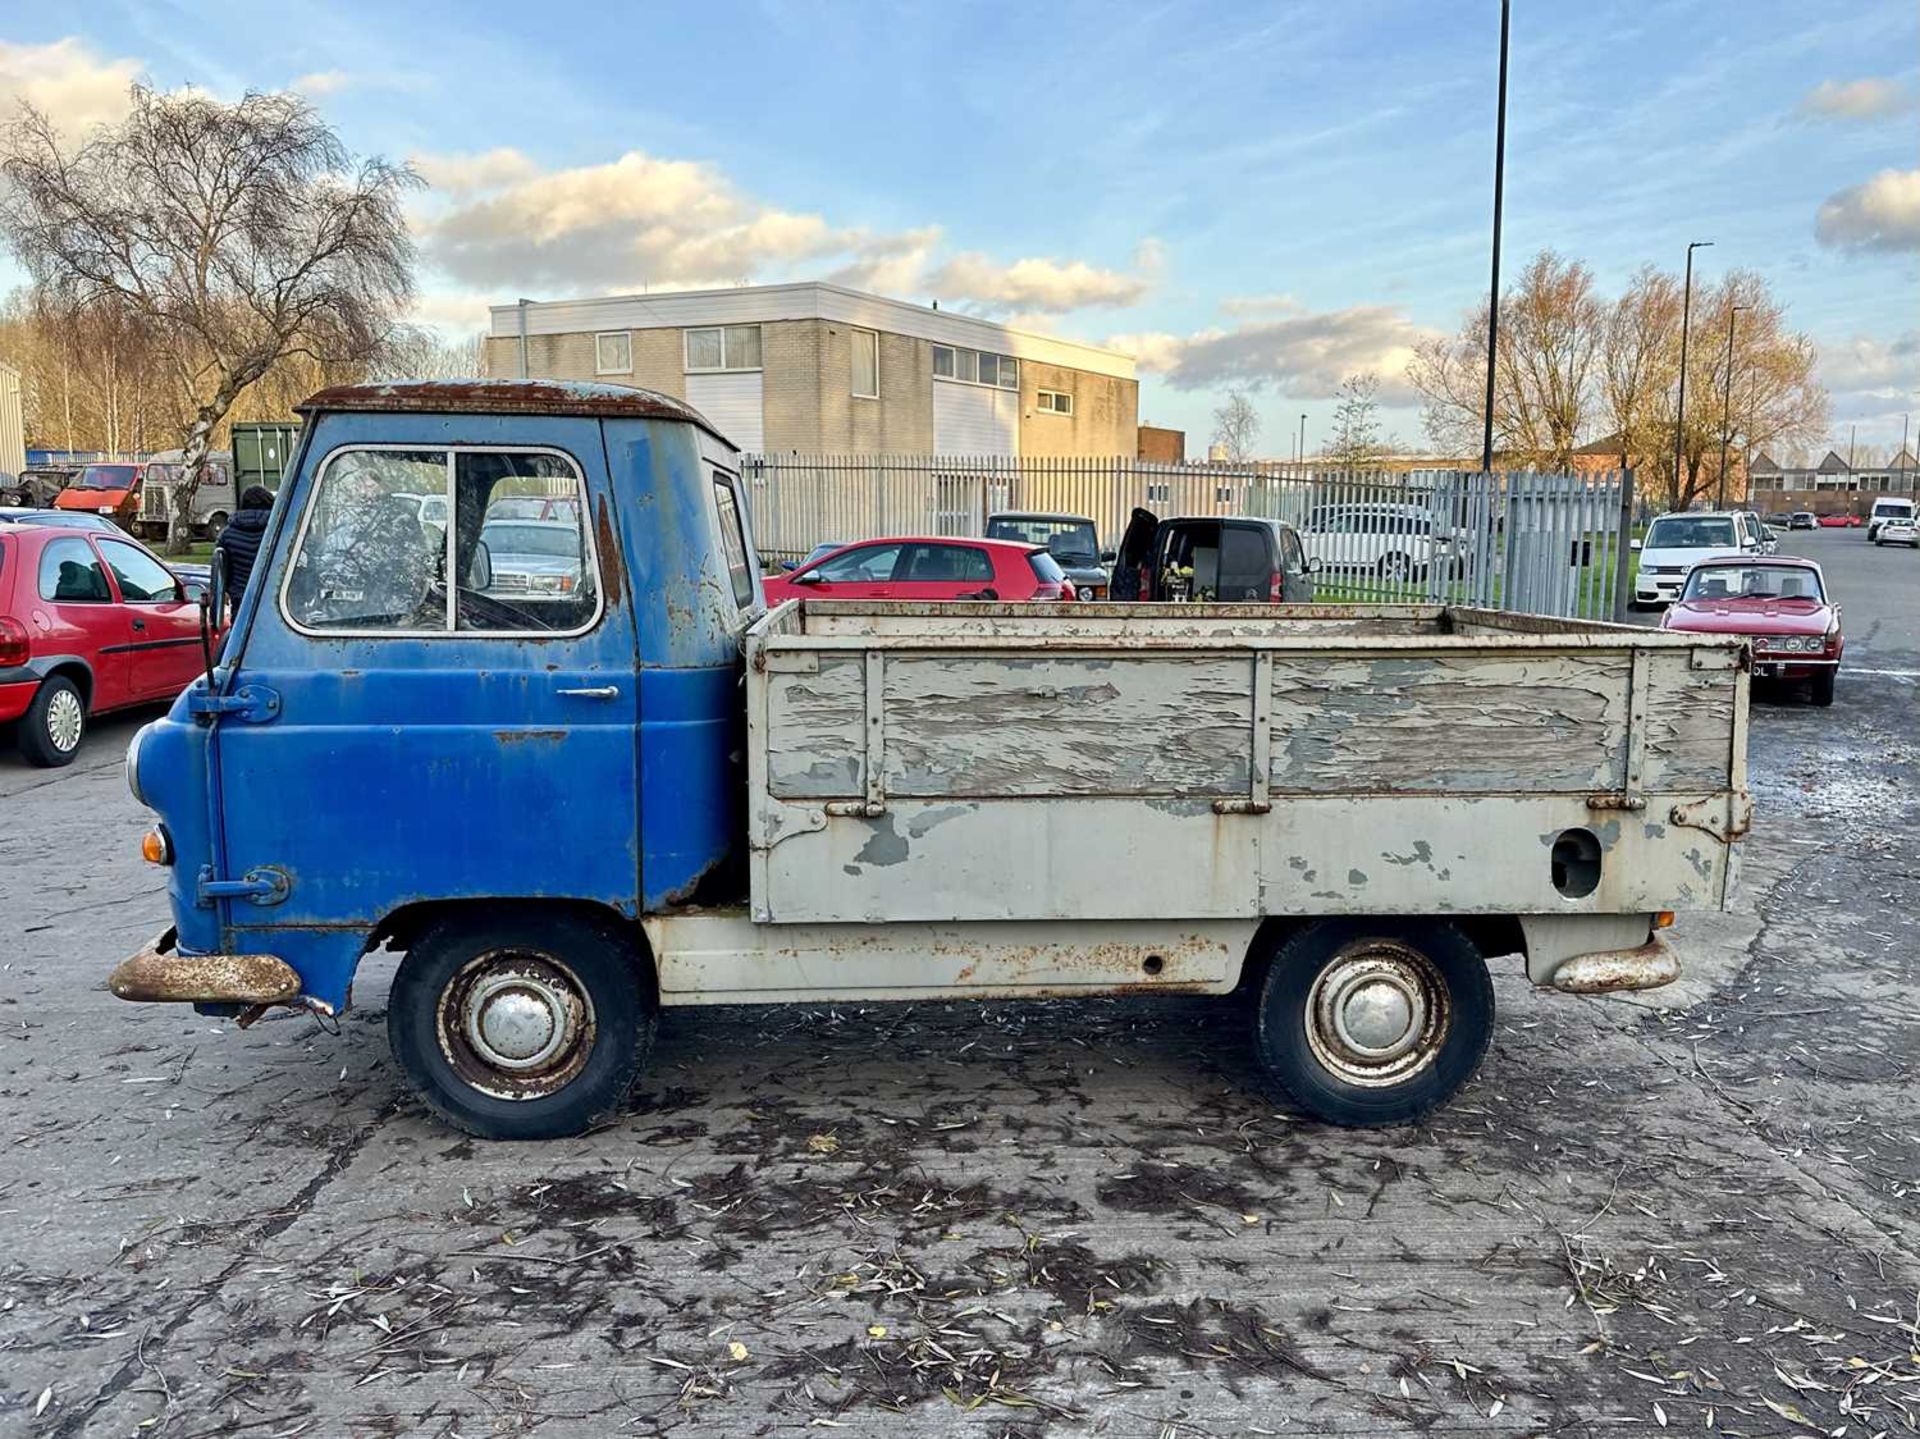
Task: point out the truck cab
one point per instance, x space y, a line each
575 792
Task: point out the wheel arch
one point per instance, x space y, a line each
75 668
402 927
1493 935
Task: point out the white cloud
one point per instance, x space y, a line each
321 83
72 83
1870 99
1303 353
462 175
1873 368
1882 214
498 219
1245 305
1035 284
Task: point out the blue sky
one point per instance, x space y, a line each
1279 193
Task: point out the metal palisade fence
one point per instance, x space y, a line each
1553 544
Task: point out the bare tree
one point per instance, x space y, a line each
1356 442
1639 363
1236 426
242 233
419 352
1550 324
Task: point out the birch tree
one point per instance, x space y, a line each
242 234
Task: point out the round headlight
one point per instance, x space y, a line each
133 764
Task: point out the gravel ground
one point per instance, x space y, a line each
1693 1209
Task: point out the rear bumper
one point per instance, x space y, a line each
1646 966
15 697
160 974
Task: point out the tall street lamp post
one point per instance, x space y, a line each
1726 406
1493 296
1680 414
1303 439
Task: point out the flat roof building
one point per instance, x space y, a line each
817 369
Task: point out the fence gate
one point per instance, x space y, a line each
1552 544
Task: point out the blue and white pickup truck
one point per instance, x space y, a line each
578 796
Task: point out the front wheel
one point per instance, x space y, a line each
1395 568
529 1027
1821 688
1366 1022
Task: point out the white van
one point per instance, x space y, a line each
1676 543
1887 509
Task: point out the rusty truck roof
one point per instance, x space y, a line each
506 397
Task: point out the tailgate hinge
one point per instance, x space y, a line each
1725 817
256 704
264 884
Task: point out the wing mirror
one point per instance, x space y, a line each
1634 545
811 577
1315 564
1108 557
480 569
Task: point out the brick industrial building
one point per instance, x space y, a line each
1832 487
815 368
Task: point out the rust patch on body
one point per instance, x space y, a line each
613 569
528 736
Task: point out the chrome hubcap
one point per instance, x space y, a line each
65 720
1378 1013
516 1025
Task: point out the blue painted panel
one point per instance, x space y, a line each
692 781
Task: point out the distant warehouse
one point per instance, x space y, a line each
815 368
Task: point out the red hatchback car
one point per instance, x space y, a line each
1777 603
88 623
926 569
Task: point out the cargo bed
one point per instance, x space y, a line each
941 762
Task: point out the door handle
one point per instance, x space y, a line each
598 692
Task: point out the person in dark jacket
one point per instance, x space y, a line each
240 540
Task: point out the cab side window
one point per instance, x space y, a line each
733 540
71 575
377 548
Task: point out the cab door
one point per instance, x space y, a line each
78 615
1133 561
401 727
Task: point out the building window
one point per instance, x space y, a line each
1054 402
613 353
976 367
866 365
724 347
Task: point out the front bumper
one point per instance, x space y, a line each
161 974
1657 589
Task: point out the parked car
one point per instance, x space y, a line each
1211 558
531 561
1839 522
1392 541
1802 520
1779 604
1071 539
88 623
1675 543
1754 532
825 547
37 486
107 489
60 519
1888 508
526 507
1899 530
914 568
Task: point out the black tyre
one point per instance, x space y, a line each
216 522
1395 567
54 725
1365 1022
1820 688
529 1027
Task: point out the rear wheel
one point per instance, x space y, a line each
1820 687
1367 1022
527 1027
54 724
216 522
1396 567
